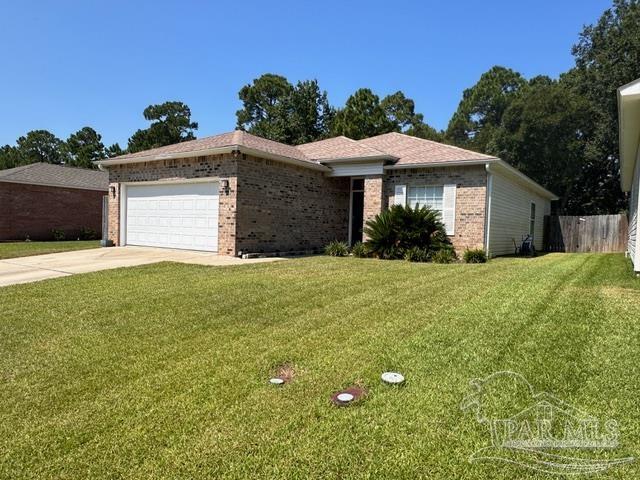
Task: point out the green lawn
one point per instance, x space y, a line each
162 371
26 249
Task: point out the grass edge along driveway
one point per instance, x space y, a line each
27 249
162 371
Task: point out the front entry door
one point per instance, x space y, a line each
357 210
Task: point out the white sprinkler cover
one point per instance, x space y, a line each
276 381
345 397
392 377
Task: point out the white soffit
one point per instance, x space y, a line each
629 125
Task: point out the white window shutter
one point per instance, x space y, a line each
400 195
449 208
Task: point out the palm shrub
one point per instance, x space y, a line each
394 231
476 255
444 255
360 250
336 249
417 254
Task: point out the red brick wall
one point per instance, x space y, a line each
373 199
271 206
34 210
284 208
220 166
471 190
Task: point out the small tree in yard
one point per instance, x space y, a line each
401 228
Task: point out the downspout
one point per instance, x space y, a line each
487 208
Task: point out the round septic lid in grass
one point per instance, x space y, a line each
348 396
393 378
344 397
276 381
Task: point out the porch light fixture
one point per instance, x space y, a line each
112 190
224 185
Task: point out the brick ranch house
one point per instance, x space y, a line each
40 197
236 193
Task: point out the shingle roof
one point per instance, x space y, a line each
414 150
229 139
340 148
396 147
56 176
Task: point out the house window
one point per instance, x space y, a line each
532 219
425 196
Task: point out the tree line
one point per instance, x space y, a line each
561 132
170 123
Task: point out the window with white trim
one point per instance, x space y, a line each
430 196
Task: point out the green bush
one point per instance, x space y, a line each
445 255
476 255
87 233
58 235
337 249
360 250
394 231
416 254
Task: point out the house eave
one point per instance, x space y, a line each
54 185
504 166
628 131
213 151
444 163
366 159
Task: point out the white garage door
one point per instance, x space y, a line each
173 216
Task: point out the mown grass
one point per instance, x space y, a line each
162 371
26 249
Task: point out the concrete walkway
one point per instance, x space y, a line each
52 265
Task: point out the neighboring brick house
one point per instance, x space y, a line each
236 193
40 197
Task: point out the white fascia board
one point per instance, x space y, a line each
504 168
371 158
457 163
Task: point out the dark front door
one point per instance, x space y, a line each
357 210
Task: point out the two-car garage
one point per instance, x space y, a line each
171 215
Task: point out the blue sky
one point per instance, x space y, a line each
67 64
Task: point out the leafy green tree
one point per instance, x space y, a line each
42 146
310 115
265 104
423 130
170 123
543 133
607 56
115 150
84 147
9 157
273 108
400 111
362 117
480 111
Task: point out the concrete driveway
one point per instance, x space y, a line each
52 265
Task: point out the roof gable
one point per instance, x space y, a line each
341 148
417 151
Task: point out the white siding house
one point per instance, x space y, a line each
515 207
629 123
516 210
